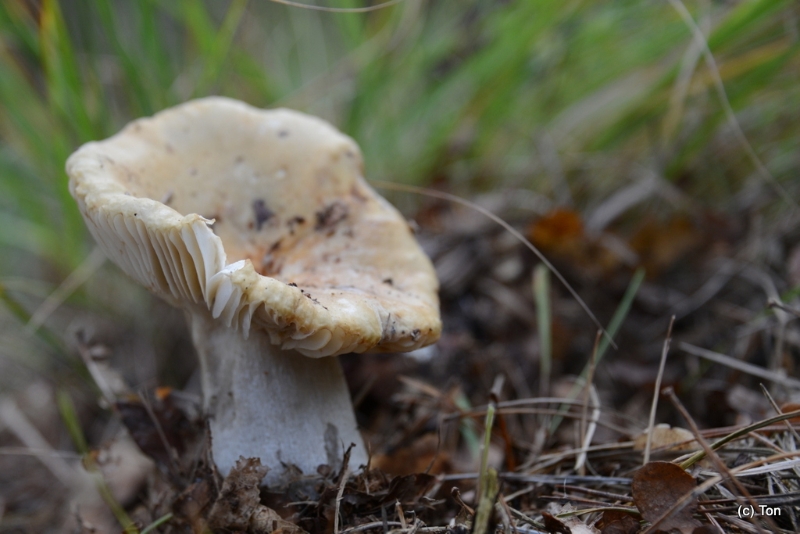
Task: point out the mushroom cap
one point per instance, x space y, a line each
262 217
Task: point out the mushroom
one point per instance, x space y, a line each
259 224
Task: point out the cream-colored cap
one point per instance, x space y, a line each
263 217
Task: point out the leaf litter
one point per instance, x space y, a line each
425 416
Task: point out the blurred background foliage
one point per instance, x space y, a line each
571 100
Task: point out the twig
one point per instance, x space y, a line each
398 509
377 524
339 495
502 509
173 454
519 493
545 479
456 494
772 303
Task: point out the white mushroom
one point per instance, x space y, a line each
260 225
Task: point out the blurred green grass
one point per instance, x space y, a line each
553 96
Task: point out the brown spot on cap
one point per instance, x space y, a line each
332 214
262 213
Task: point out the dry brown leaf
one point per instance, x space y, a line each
557 229
266 521
617 522
665 436
190 506
656 487
567 525
239 496
554 525
422 453
561 233
662 244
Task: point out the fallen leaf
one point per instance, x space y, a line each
190 506
239 496
150 426
617 522
661 244
664 436
571 524
422 453
656 487
556 229
554 525
266 521
408 489
561 233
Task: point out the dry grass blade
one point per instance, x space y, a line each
587 427
760 372
541 290
659 377
716 460
16 422
70 284
723 96
773 303
342 483
312 7
738 433
483 513
511 230
777 409
28 451
713 481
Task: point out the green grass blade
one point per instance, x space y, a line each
742 18
64 86
218 50
619 316
541 292
613 327
134 74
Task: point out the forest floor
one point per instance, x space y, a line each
566 448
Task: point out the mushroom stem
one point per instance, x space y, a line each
272 404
